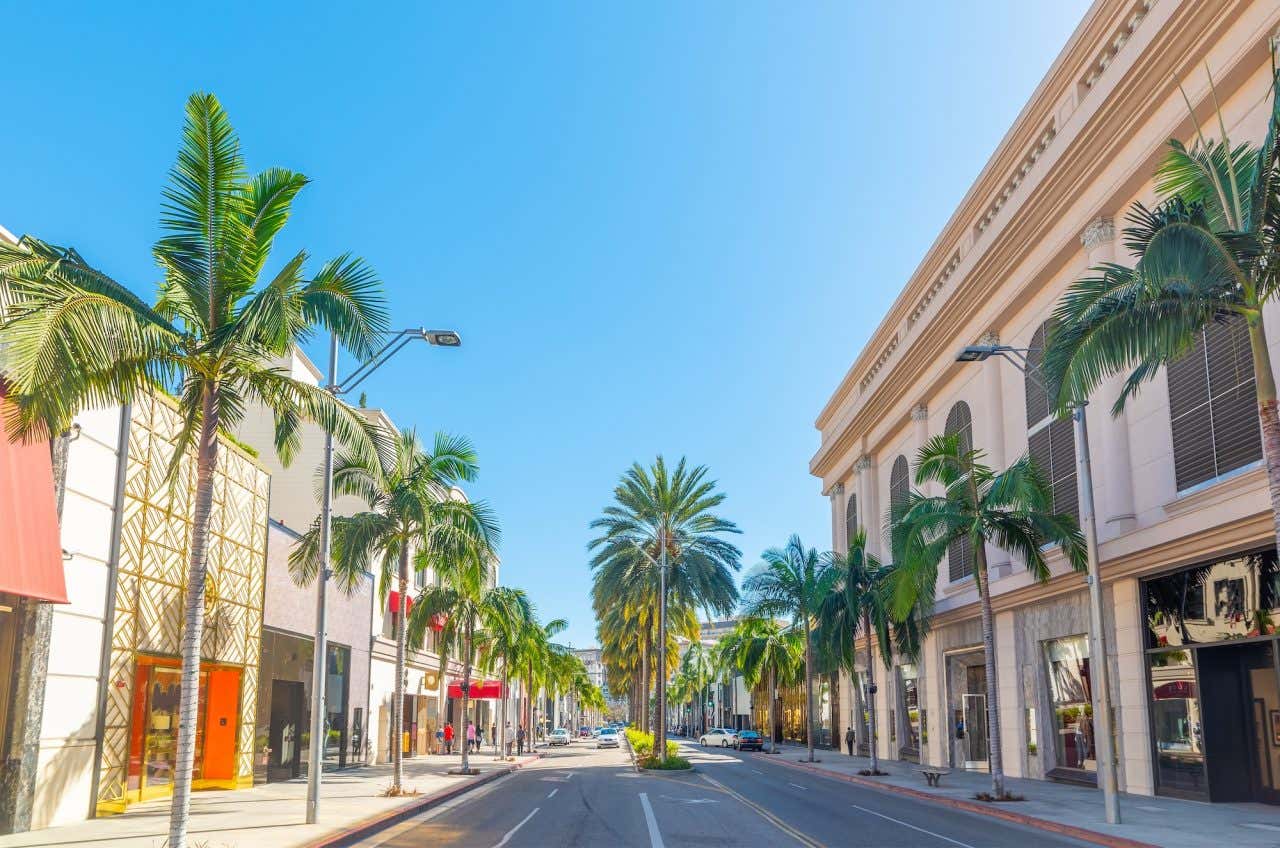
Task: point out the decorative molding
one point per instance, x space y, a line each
864 463
1116 43
837 490
1042 142
879 363
990 337
1099 231
920 412
938 284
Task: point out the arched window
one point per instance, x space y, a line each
1050 439
960 552
850 520
1213 406
899 485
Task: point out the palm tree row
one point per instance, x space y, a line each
660 557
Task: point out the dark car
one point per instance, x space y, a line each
749 740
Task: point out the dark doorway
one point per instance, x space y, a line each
285 760
1240 700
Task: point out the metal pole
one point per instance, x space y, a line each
1098 671
660 736
319 661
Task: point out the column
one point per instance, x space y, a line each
934 666
1109 436
993 394
884 701
1133 730
868 514
836 496
1012 735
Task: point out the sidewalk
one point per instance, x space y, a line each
273 815
1064 808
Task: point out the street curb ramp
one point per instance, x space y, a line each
364 829
982 808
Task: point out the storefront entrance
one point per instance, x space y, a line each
967 709
287 726
1239 696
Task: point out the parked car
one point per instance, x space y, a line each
608 738
559 736
749 740
718 737
584 732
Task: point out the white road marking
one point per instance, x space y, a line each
757 771
655 838
913 827
553 792
796 785
512 832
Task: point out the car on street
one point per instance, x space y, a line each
608 738
559 736
584 732
718 737
749 740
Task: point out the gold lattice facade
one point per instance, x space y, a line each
139 745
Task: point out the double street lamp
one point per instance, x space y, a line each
1088 526
320 659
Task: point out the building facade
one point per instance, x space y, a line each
1184 522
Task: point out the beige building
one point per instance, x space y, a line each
1187 546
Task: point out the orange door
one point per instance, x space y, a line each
221 713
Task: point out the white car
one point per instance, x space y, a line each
559 736
608 738
718 737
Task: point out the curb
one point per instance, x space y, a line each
366 828
982 809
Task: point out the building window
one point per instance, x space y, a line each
1050 439
910 696
850 520
1213 405
1071 694
899 485
960 552
1233 598
1176 722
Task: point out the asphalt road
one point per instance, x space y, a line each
581 798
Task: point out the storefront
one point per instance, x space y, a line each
1214 679
1071 706
914 716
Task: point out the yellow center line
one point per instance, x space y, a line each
765 814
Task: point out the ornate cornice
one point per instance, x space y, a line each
920 412
864 463
990 337
1099 231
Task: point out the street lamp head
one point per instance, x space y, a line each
442 338
976 353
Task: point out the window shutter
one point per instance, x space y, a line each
1050 441
850 520
899 484
960 552
1213 409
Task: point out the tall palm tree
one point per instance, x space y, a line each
412 506
539 653
1011 509
662 531
859 603
1208 252
791 582
464 599
75 338
501 642
766 651
698 667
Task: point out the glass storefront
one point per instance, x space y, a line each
1214 678
283 737
913 714
1071 696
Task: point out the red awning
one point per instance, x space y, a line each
393 602
1174 689
30 545
480 689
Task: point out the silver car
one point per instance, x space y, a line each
608 738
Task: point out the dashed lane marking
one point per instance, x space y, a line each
553 792
512 832
655 837
913 827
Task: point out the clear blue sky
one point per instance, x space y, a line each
659 227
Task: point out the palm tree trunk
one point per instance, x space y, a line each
644 684
502 712
660 699
193 629
466 697
773 698
871 695
808 685
397 694
1268 413
993 690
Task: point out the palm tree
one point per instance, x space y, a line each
464 598
766 651
76 338
791 582
662 535
698 667
859 603
412 505
1011 509
501 642
538 653
1208 252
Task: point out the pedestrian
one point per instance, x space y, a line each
479 739
471 736
439 740
448 738
493 736
509 738
848 740
520 740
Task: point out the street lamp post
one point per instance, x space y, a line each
1098 669
319 657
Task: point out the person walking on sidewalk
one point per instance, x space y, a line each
471 736
509 738
520 740
439 740
848 740
448 738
